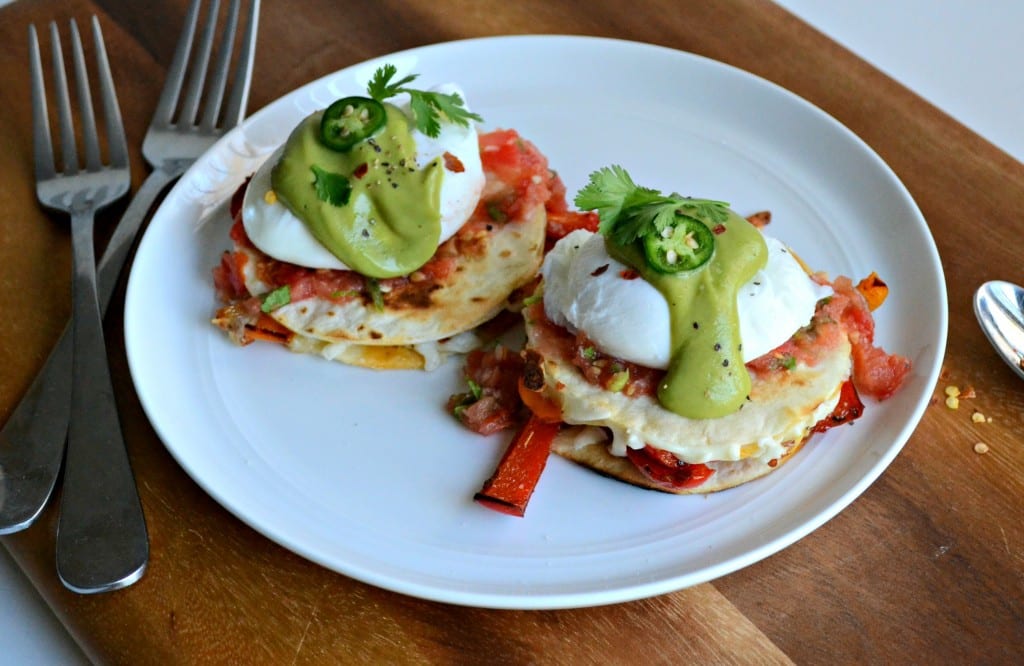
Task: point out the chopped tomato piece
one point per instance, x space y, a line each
522 171
878 373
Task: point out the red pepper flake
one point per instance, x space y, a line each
629 274
452 163
599 270
361 170
718 229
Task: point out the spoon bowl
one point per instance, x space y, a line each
999 307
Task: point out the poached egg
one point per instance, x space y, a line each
280 234
584 290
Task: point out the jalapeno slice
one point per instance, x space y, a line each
684 245
350 120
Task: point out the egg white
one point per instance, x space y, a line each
277 232
629 318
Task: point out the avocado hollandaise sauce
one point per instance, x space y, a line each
706 376
370 205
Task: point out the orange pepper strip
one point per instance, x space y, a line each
510 487
874 290
268 329
542 407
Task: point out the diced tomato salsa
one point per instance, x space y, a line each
608 372
846 313
493 404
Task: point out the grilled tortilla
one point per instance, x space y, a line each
505 258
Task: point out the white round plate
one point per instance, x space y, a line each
365 473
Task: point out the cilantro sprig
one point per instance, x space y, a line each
629 212
331 187
427 107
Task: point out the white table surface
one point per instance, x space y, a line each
958 54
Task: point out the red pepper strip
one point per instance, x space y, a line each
510 487
666 470
847 409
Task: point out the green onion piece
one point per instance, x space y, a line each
277 298
373 286
618 381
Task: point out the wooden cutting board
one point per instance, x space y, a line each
928 564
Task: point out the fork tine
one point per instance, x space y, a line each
190 105
118 147
42 147
235 110
87 121
68 151
176 73
215 92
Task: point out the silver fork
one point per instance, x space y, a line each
101 534
32 440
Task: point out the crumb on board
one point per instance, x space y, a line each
953 391
953 402
981 448
978 417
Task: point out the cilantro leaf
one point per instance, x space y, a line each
629 212
609 191
453 107
332 188
277 298
427 120
380 87
427 107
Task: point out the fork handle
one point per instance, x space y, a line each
32 440
102 542
121 241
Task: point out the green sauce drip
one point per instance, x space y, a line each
706 376
391 223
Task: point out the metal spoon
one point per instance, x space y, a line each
999 307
